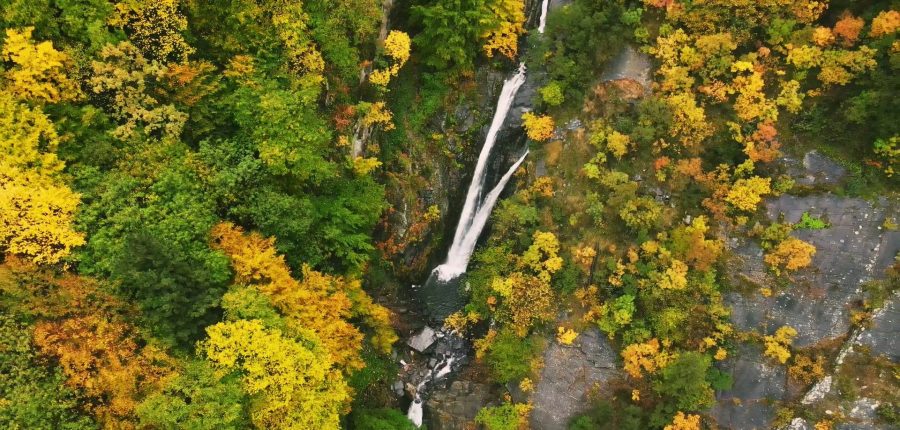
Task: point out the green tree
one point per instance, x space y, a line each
152 240
381 419
197 399
451 31
510 356
683 382
33 396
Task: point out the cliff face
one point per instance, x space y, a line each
427 195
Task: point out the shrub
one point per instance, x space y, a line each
504 417
381 419
510 356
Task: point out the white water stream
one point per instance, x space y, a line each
477 209
475 213
543 23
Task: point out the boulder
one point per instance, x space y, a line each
422 340
570 373
455 407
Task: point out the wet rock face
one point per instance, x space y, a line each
422 340
570 373
882 337
455 408
815 169
630 65
854 249
756 380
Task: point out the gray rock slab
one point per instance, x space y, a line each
883 337
570 373
423 339
455 407
630 64
756 382
854 249
814 169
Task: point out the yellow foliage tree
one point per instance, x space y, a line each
644 357
839 67
674 277
397 47
887 22
617 143
807 370
822 36
543 255
38 71
362 166
294 383
566 336
751 102
36 216
155 26
790 254
684 422
746 194
778 345
527 300
538 127
510 15
320 303
689 123
377 114
123 74
691 245
36 210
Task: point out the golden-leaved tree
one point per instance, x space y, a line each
36 207
39 70
504 38
294 381
101 358
319 302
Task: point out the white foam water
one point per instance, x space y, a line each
466 229
544 5
461 252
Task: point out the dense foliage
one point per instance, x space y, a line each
204 204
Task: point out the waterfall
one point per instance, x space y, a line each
439 371
461 251
476 211
470 224
543 22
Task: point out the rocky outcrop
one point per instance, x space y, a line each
853 249
569 375
756 382
631 65
882 337
455 407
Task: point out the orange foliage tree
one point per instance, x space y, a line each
319 302
101 358
847 29
791 254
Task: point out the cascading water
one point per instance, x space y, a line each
543 23
476 211
444 366
470 226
